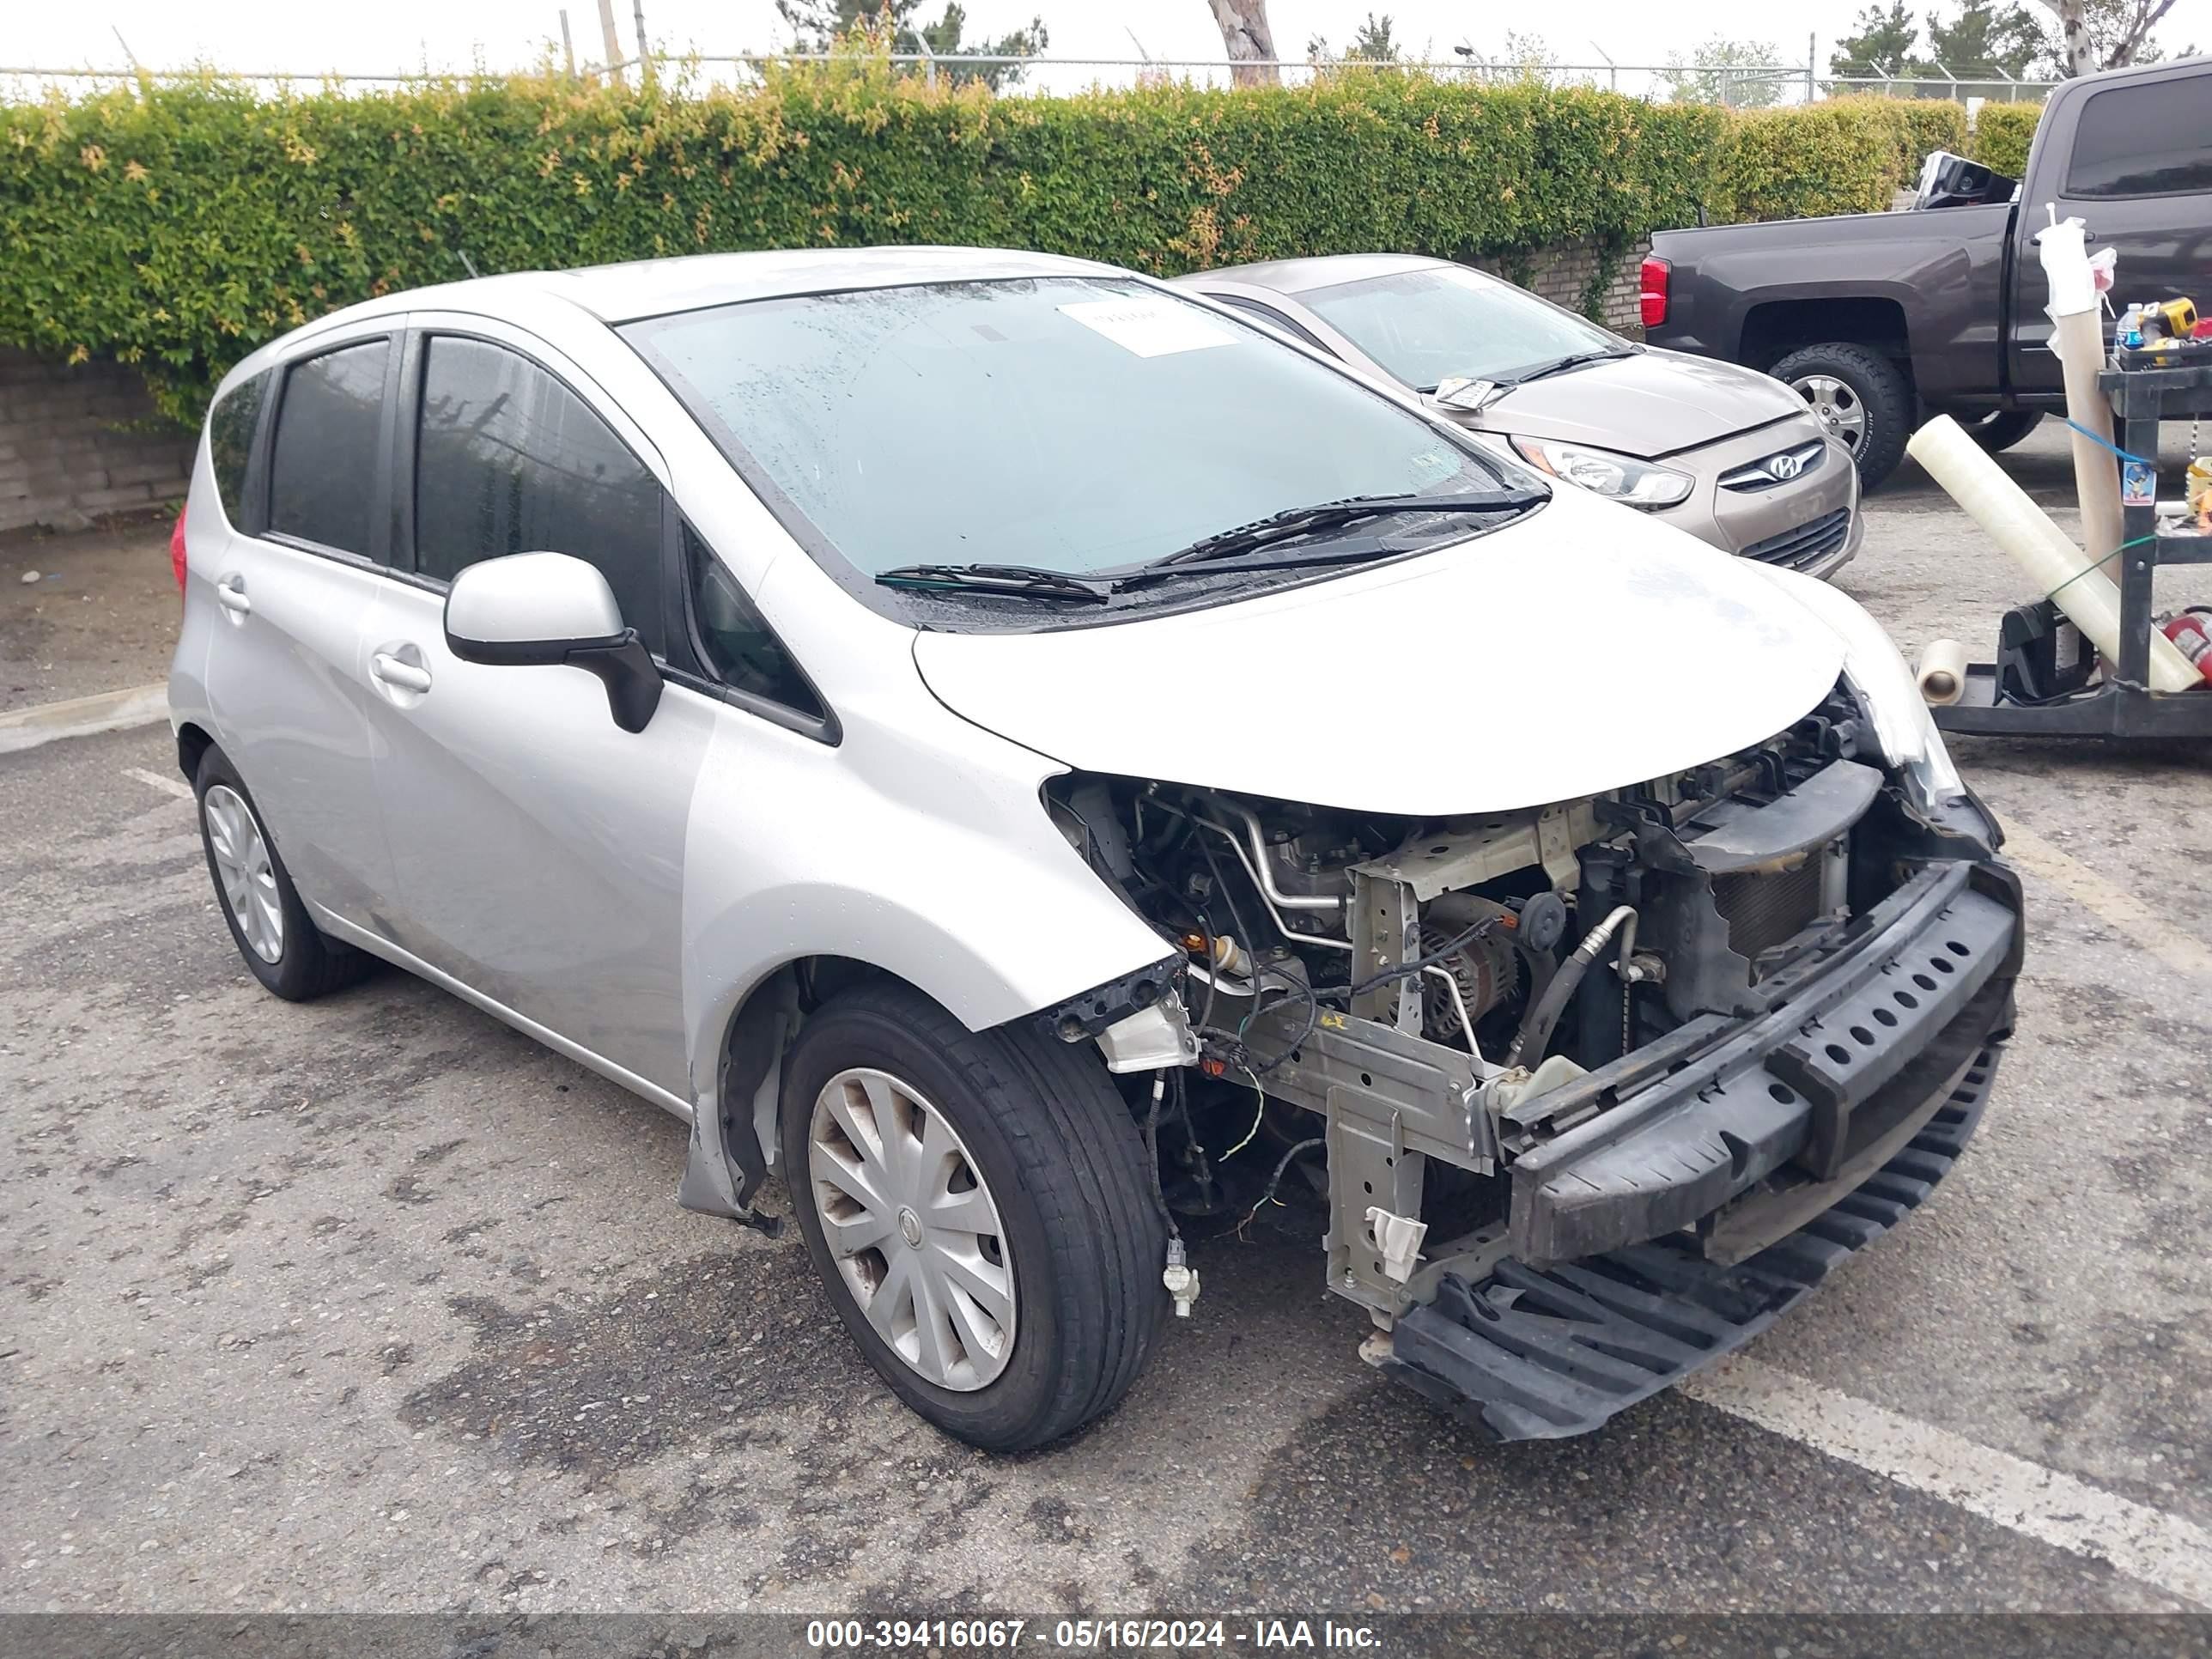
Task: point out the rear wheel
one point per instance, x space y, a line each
278 940
979 1207
2001 428
1862 398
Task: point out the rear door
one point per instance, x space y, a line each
294 582
2133 161
537 847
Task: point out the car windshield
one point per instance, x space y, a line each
1432 323
1071 424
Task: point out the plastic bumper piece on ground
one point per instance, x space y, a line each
1531 1355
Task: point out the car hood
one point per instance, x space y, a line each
1583 648
1655 403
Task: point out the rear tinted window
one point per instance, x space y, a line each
322 469
2151 140
230 441
511 461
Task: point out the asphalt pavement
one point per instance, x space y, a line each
374 1305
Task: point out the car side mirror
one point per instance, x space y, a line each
546 608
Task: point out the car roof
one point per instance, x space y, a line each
652 287
655 288
1297 276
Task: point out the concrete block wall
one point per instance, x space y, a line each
79 441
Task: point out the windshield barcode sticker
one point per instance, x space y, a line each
1150 327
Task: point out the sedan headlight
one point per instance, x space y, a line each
1617 477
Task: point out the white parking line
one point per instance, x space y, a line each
2161 1550
2122 910
176 787
81 717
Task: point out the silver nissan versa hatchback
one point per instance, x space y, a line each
1050 770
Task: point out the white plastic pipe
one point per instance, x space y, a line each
2078 339
2060 570
1942 673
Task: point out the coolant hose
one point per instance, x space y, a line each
1536 1033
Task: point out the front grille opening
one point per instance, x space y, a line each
1794 548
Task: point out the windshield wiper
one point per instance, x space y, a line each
1013 582
1562 365
1324 515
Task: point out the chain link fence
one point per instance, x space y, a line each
1736 85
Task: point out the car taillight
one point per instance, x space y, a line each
177 551
1652 300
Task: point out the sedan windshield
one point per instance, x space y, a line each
1430 323
1069 424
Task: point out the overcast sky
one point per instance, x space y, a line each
314 35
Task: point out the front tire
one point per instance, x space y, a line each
277 940
979 1208
1862 398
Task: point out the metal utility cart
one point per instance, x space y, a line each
2041 681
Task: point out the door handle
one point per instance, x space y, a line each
398 671
230 593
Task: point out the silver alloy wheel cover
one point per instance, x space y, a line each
1837 406
912 1228
245 873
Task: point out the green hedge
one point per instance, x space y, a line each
177 227
1930 124
2003 133
1845 155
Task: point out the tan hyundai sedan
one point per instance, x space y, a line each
1728 454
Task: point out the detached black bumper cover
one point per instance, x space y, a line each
1531 1355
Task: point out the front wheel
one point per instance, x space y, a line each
1860 396
979 1207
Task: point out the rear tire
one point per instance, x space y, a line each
2001 428
1032 1129
1860 397
277 940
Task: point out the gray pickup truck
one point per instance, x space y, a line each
1881 320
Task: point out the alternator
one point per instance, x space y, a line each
1486 969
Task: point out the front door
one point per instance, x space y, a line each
2136 167
537 847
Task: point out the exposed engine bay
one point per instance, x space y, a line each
1396 1022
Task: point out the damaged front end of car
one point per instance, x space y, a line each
1582 1094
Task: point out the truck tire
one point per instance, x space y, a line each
1860 397
2000 429
980 1209
277 937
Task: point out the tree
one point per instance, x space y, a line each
819 25
1374 42
1883 45
2094 35
1249 40
1986 36
1714 74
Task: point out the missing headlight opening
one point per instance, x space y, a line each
1577 1094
